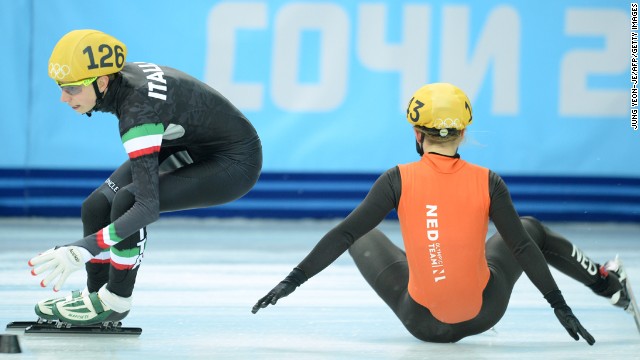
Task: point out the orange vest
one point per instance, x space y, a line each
444 218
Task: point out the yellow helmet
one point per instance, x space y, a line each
83 54
439 106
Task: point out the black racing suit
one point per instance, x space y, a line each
208 154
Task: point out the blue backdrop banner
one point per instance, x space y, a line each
326 82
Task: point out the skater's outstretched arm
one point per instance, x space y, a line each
530 257
382 198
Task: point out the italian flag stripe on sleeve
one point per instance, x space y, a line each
143 140
107 237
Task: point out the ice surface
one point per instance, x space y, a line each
200 278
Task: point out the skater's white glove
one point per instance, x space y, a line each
61 262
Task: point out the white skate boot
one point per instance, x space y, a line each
94 308
44 308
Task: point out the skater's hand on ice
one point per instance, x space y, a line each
567 319
284 288
281 290
571 323
61 262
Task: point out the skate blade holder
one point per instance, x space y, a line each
42 326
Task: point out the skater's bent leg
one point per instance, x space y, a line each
383 265
95 215
568 258
127 254
505 271
385 268
211 182
98 271
126 257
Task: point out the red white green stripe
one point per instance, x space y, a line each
143 140
124 259
107 237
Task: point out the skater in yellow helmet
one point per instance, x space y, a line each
187 145
448 283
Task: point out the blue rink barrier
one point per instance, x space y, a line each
59 193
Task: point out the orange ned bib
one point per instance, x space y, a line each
444 218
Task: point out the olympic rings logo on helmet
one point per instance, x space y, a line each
58 72
447 123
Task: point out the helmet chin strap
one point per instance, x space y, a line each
419 148
99 97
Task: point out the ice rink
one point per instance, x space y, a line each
200 278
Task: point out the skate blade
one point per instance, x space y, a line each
26 324
98 329
20 324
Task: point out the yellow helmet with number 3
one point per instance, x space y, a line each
83 54
439 106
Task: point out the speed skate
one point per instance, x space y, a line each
42 326
626 294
